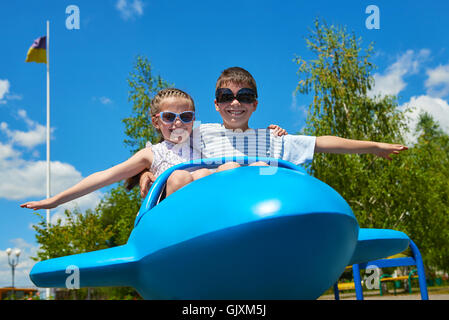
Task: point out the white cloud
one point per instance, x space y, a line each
294 104
7 151
4 92
35 136
103 100
437 83
22 179
392 81
4 89
300 111
436 107
298 108
14 97
129 9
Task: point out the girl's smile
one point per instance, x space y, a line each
177 131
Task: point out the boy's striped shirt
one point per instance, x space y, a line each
213 140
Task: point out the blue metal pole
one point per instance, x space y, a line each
336 293
421 271
357 282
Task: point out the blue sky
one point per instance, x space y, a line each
188 43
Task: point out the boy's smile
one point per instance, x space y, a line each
235 114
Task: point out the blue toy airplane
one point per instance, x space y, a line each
247 233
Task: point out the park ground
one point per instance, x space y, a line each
435 293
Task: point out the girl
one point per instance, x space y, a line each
172 114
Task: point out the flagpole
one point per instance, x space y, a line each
48 118
48 128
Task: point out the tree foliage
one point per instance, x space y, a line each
407 194
339 80
118 209
142 88
427 193
76 233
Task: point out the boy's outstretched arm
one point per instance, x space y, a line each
332 144
97 180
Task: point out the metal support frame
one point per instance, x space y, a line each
415 260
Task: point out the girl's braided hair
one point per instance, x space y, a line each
155 107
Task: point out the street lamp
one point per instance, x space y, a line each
13 263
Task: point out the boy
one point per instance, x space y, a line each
236 100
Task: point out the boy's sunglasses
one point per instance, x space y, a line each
170 117
245 95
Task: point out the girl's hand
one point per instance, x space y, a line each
145 182
278 131
43 204
385 149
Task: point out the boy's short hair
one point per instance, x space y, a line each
236 75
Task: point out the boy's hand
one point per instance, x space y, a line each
278 131
145 182
43 204
385 149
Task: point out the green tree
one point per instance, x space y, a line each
339 79
76 233
143 85
403 194
427 197
118 209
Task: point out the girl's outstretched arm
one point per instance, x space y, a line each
97 180
331 144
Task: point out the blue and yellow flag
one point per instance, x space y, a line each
38 51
